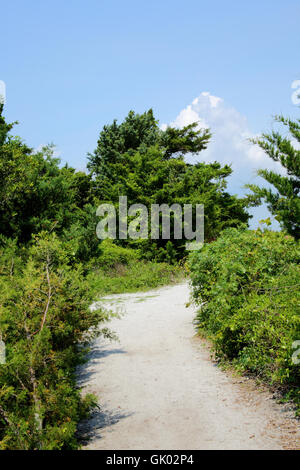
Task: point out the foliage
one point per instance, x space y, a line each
44 315
139 160
134 276
138 132
113 255
285 202
36 194
247 287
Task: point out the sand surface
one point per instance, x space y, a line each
159 388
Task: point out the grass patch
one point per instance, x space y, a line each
138 276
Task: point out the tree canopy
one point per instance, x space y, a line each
283 199
139 132
139 160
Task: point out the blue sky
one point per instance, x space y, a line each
72 66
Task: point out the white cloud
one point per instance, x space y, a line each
230 140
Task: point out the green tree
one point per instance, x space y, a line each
139 160
284 202
138 132
37 194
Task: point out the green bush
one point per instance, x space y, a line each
247 286
44 317
113 255
136 276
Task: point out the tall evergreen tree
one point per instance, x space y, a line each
284 203
139 160
138 132
36 193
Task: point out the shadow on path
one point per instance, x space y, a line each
91 429
100 418
94 358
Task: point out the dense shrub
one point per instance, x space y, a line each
139 275
247 286
113 255
44 317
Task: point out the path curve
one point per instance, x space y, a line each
159 389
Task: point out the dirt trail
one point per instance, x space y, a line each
159 389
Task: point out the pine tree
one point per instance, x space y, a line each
284 203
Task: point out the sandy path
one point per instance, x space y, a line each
159 389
